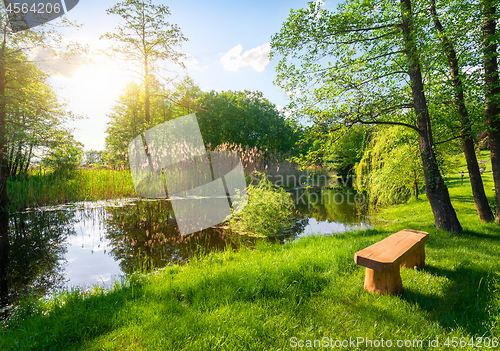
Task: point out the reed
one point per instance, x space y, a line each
38 188
277 166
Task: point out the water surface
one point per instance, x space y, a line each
84 244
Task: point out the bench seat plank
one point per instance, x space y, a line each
390 252
384 259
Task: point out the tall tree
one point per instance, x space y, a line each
144 41
492 90
363 65
36 120
245 118
14 51
127 119
448 48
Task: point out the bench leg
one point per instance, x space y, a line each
385 283
416 258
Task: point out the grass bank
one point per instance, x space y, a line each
39 189
277 297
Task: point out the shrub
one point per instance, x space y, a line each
65 158
269 211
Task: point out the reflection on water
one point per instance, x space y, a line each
31 247
48 249
330 210
148 230
91 243
87 259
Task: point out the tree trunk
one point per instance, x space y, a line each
415 185
17 160
492 104
480 200
28 159
10 158
4 258
146 91
435 188
4 167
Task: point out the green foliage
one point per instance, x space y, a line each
346 148
182 100
244 118
127 118
30 115
126 121
344 66
391 168
35 119
65 157
268 211
145 42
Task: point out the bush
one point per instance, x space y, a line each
268 212
65 157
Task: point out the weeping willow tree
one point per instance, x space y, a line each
390 170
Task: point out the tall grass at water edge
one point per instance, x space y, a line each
38 188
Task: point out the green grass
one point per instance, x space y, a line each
309 290
38 189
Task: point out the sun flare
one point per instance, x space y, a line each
100 83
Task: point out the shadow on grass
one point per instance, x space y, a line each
488 236
464 199
465 303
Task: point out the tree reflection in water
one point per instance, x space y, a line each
145 235
341 205
31 250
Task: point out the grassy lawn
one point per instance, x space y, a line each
277 297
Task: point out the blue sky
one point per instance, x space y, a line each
227 50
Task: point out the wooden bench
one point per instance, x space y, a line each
383 259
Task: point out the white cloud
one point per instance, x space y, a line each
56 63
189 60
257 58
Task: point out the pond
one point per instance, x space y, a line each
95 243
